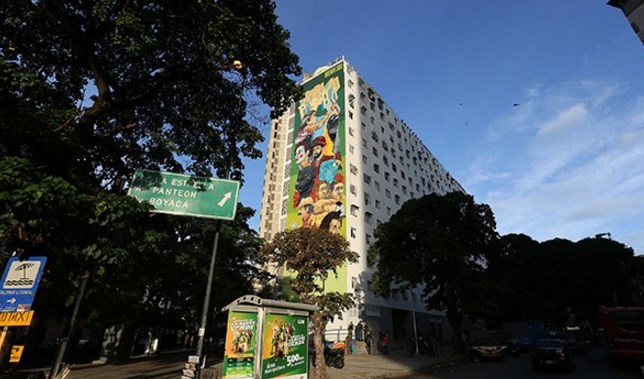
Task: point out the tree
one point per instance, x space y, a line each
165 89
441 243
560 281
311 255
91 91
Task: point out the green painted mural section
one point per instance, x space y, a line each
317 196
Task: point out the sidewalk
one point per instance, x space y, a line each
356 367
386 366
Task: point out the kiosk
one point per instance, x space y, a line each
266 339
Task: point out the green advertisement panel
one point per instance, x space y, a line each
317 195
241 343
285 348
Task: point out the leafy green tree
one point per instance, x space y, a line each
441 243
91 91
561 281
311 255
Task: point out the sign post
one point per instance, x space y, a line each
188 195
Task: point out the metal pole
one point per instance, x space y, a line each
62 348
206 302
413 315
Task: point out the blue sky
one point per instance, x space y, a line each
567 162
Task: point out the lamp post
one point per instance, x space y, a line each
201 333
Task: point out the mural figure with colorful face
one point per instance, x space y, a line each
322 190
305 211
306 174
332 222
337 188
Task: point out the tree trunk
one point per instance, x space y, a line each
319 325
455 320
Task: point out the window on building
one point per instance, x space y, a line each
353 232
377 185
385 160
367 178
368 216
351 131
367 198
395 182
351 115
368 239
388 194
350 83
404 189
387 176
364 142
374 151
354 210
352 189
397 199
377 204
354 169
364 159
351 149
376 167
393 167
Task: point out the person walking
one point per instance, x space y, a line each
359 330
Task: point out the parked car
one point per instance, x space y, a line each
551 353
486 345
520 345
575 342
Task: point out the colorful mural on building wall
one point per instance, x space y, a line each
317 196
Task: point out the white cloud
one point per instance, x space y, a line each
573 115
568 164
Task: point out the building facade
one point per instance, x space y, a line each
634 12
341 159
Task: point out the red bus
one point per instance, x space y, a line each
623 333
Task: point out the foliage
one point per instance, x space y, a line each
91 91
441 243
561 281
311 255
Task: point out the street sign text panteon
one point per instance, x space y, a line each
186 195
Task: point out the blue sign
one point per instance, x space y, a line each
20 282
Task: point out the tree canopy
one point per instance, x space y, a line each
91 91
561 281
441 243
311 255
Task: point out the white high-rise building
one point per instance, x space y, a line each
342 159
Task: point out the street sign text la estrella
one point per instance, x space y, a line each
186 195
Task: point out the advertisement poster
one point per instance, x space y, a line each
241 342
285 349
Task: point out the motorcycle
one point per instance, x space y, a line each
333 356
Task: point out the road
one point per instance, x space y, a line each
591 365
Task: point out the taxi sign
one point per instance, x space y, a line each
16 318
16 353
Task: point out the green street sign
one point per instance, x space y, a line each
186 195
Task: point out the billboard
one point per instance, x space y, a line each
285 349
241 343
317 193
